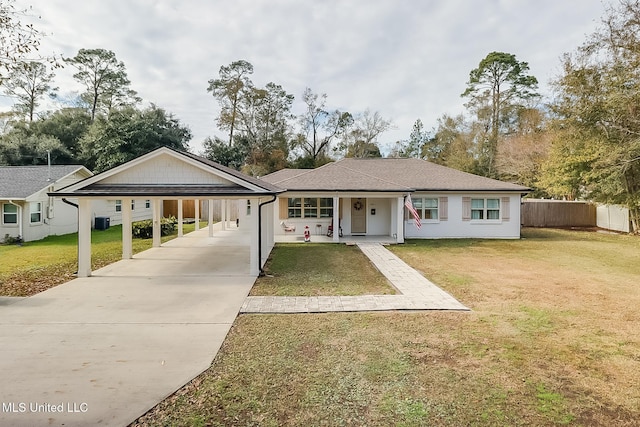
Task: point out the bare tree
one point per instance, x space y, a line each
28 83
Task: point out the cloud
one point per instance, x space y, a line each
407 59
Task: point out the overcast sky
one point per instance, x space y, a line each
407 59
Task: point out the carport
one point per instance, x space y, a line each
167 174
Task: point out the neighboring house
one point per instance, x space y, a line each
366 197
112 209
27 211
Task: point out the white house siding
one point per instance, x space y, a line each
165 169
107 208
379 224
455 227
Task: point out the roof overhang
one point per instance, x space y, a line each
152 191
127 180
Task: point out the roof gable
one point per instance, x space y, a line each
170 173
20 182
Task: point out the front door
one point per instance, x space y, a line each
358 216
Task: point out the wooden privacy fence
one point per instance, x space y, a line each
557 213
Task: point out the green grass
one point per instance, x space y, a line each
553 339
36 266
313 269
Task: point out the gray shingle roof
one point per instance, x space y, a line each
255 181
390 174
20 182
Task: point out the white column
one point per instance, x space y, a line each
228 215
253 236
400 220
180 219
223 213
84 237
336 219
127 244
196 203
156 223
210 218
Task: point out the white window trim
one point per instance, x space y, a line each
318 208
424 220
17 214
39 211
119 205
487 221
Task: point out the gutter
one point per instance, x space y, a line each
20 229
70 203
260 269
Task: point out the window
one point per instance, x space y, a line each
147 204
310 207
477 208
35 209
248 207
294 208
9 214
427 207
485 209
133 205
326 208
118 205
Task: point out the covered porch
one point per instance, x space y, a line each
385 240
366 216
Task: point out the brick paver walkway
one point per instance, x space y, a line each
417 293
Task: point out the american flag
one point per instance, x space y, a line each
416 216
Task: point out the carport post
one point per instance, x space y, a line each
196 203
336 219
400 220
223 213
156 224
228 215
253 233
84 237
210 218
127 245
180 219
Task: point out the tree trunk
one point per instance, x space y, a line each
634 216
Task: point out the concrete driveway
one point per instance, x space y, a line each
105 349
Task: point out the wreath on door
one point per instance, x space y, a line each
357 205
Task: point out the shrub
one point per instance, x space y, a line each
144 229
10 240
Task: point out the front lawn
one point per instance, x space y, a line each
553 339
313 269
37 266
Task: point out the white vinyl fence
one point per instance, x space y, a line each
613 217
